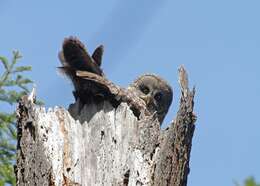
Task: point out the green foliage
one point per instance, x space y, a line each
250 181
12 86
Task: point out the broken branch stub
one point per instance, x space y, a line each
102 145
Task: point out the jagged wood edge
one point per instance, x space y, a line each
172 161
176 141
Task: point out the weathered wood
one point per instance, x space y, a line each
102 145
173 158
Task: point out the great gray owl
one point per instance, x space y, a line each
156 93
90 83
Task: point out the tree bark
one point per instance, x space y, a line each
103 145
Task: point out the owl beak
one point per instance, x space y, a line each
147 99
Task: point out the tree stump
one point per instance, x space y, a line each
103 145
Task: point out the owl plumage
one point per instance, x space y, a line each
74 57
156 93
89 81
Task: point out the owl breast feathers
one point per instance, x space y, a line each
90 83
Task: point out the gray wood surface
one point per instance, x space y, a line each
103 145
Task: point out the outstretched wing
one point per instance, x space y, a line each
74 56
97 55
89 80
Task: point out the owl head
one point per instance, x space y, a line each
156 93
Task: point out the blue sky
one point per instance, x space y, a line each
217 41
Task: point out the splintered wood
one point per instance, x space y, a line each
103 145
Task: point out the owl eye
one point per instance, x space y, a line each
158 96
145 89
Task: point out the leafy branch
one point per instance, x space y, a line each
250 181
13 85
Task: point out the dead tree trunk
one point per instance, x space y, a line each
101 145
